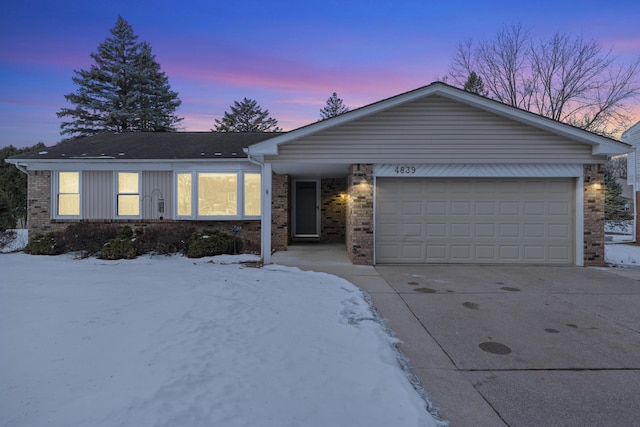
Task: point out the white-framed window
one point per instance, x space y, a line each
184 194
68 194
217 194
252 192
221 195
128 194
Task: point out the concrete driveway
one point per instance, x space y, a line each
508 345
519 345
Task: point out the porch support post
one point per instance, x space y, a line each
265 226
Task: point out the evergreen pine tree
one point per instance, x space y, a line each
246 116
614 209
14 183
475 84
334 107
123 91
7 219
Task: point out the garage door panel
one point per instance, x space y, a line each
475 220
460 230
436 253
534 231
485 208
436 207
485 253
509 230
461 253
534 208
386 231
413 252
559 208
509 252
508 208
412 207
412 231
436 230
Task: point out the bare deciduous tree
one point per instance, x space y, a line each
571 80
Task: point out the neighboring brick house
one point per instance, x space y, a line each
435 175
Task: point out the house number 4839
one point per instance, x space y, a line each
405 170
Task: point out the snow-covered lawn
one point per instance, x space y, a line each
171 341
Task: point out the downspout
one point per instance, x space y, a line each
635 192
21 168
265 216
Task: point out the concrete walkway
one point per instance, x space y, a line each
508 345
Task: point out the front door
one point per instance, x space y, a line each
306 219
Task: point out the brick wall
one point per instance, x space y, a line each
39 204
359 221
594 215
333 210
280 217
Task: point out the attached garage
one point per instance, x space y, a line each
441 175
475 220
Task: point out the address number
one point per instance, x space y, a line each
405 170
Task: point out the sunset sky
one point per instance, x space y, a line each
288 55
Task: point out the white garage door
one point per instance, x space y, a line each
424 220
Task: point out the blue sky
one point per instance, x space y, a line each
288 55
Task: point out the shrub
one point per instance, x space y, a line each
122 246
7 219
88 238
210 243
45 244
164 239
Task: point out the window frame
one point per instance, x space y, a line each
195 195
117 194
55 197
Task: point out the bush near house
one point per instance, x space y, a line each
121 246
45 244
210 243
111 241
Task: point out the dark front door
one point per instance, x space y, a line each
306 209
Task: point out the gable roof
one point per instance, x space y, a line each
632 135
151 146
600 145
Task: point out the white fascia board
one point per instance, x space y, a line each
126 164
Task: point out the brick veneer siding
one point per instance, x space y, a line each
359 229
594 215
39 204
333 210
280 217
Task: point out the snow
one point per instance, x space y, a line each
165 341
172 341
18 243
620 251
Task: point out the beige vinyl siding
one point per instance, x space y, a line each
97 194
435 130
156 184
